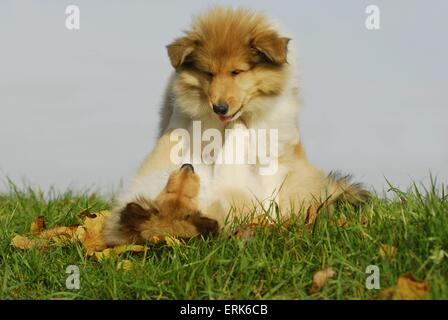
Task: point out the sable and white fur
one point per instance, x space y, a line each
239 57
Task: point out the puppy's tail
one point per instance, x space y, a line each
341 189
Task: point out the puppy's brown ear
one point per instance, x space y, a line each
180 50
134 214
271 46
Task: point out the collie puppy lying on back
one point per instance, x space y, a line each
234 71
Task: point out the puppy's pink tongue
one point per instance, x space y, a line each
225 119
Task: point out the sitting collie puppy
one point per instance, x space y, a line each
233 69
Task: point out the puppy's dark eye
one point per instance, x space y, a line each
236 72
209 74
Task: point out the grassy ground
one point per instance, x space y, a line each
276 263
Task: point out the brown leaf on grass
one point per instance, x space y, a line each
89 234
37 225
261 220
341 222
364 220
387 251
311 215
58 236
245 232
25 243
287 223
173 241
385 294
125 265
117 251
170 241
91 237
86 214
407 288
57 233
320 278
157 239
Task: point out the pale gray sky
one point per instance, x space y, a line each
79 108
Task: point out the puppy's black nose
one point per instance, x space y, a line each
220 108
187 166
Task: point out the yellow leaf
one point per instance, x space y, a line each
59 234
407 288
245 232
157 239
386 294
86 214
125 265
364 220
132 248
387 251
116 251
92 237
320 278
25 243
37 225
262 220
341 222
311 215
172 241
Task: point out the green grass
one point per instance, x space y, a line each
277 263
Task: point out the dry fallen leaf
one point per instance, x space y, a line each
385 294
341 222
320 278
245 232
170 241
248 230
125 265
364 220
89 234
407 288
58 235
311 215
118 250
86 214
157 239
38 225
22 242
91 237
262 220
287 223
49 234
387 251
173 241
